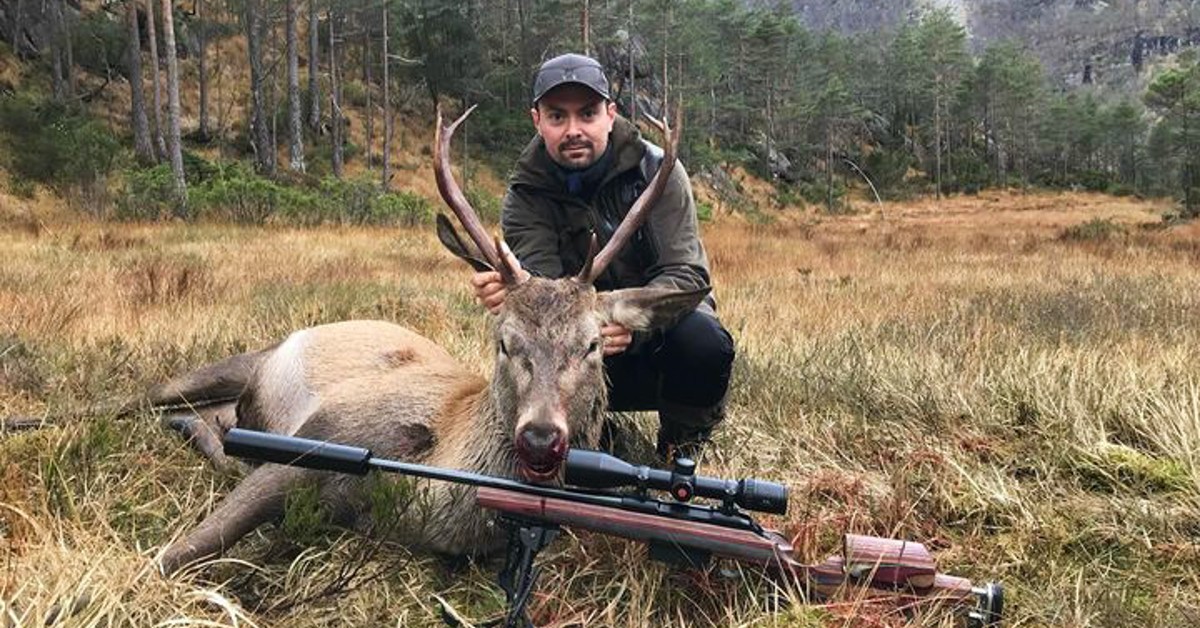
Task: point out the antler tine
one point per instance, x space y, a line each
456 200
641 207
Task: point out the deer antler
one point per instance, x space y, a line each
457 201
597 262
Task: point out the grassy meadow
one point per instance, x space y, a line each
1012 380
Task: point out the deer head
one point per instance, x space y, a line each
548 384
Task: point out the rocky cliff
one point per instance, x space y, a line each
1079 41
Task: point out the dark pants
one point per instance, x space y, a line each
683 372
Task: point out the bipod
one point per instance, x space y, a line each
519 574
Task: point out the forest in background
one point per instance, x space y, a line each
822 116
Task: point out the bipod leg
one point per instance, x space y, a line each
519 575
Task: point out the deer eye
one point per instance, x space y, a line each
592 348
503 348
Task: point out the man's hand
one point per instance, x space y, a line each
616 338
489 287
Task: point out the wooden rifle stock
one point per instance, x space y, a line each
897 569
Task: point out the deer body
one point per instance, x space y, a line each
381 386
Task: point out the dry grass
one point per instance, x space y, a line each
960 374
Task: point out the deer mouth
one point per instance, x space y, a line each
541 465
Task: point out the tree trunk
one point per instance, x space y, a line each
202 69
314 56
137 99
56 51
16 28
295 116
272 66
387 105
260 131
68 51
367 79
335 101
524 34
586 26
176 150
504 53
829 167
160 144
632 71
1188 159
937 144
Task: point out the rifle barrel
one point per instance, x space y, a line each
324 456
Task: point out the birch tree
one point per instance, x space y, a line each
335 100
160 144
295 116
175 146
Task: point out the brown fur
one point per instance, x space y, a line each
377 385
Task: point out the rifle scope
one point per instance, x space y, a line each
598 470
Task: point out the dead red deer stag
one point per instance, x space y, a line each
379 385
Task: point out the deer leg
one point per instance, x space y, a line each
214 383
257 500
204 428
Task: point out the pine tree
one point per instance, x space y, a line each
142 146
260 131
1175 95
314 56
202 69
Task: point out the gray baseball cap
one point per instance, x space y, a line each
570 68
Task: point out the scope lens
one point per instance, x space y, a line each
763 496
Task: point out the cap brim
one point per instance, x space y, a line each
599 93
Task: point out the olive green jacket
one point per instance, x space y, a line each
549 229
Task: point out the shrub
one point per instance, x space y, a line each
486 205
236 193
355 93
197 169
149 194
57 145
887 169
22 188
1121 189
1094 180
1094 230
970 173
403 208
507 133
100 43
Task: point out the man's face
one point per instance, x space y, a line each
574 122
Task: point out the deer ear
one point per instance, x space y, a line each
640 309
455 244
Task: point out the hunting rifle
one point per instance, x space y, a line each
676 530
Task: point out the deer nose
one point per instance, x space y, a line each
544 440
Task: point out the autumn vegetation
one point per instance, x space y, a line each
991 359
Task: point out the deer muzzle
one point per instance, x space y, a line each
541 449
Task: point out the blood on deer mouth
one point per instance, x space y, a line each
542 464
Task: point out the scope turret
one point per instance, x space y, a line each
598 470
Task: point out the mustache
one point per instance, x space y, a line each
574 144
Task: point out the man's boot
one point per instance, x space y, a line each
685 430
